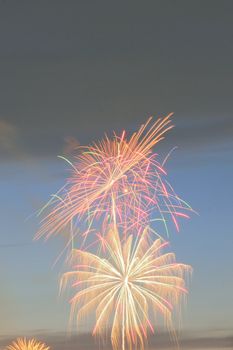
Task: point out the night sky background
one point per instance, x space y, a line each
77 69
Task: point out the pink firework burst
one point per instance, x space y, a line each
116 181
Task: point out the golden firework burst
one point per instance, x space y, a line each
27 344
136 282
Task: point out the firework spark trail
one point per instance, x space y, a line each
24 344
121 173
131 279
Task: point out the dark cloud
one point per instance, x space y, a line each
10 141
60 341
81 69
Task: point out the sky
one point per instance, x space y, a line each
73 70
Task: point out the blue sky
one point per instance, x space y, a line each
29 294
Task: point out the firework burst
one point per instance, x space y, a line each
134 281
24 344
116 180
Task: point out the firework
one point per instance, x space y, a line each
116 180
24 344
131 279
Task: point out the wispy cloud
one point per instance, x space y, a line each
29 143
189 341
